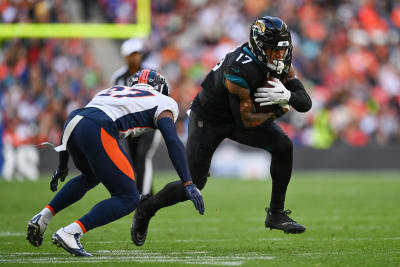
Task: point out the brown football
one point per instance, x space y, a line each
265 109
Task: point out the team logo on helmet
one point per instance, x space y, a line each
152 78
259 26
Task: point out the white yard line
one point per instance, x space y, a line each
188 257
219 240
185 257
12 234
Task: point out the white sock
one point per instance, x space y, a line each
47 215
73 228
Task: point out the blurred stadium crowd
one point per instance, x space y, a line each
346 52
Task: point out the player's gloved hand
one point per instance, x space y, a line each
277 94
194 195
57 175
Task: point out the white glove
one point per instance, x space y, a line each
278 94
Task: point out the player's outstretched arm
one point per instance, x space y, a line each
177 153
242 107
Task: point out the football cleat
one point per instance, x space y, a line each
36 227
140 222
281 221
70 242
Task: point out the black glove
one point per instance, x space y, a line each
58 175
194 195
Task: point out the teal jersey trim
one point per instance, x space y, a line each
247 51
236 80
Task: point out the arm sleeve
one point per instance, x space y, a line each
63 160
176 150
299 99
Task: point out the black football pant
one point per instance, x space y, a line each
141 149
204 138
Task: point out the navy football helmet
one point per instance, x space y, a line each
150 77
271 33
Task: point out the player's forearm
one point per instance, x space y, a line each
251 119
176 150
299 98
63 160
242 109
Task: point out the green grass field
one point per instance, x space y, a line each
352 219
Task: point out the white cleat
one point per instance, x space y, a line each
70 242
35 230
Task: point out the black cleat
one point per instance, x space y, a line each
35 230
140 222
281 221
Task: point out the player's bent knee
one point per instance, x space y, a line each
284 147
288 146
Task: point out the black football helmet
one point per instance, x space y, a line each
150 77
271 32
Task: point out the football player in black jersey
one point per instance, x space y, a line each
224 109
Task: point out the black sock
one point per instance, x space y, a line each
281 171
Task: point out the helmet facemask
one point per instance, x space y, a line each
276 64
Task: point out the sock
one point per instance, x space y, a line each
47 214
281 171
74 228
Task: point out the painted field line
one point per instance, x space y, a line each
276 239
224 240
344 253
12 234
137 256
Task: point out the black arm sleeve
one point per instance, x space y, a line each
299 99
176 150
63 158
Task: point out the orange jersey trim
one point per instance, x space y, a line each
114 152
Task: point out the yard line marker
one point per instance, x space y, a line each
186 257
12 233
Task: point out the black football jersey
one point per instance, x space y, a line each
240 67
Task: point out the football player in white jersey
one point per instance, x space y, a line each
91 137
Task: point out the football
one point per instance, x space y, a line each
265 109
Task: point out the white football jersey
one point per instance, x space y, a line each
134 109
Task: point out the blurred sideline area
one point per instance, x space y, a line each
347 53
